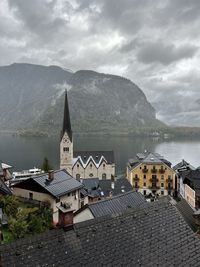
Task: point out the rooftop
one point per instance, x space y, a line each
148 158
61 184
115 204
96 155
155 235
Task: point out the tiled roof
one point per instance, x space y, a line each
62 183
148 158
156 235
187 213
96 155
103 188
183 165
115 204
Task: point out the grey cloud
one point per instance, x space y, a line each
164 53
37 16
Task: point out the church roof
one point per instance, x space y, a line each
96 156
66 119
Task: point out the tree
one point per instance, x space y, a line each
46 165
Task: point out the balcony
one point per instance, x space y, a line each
154 170
162 171
136 178
169 180
144 170
154 180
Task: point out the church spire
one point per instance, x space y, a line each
66 120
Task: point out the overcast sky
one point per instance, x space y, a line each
154 43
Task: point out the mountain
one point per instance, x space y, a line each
32 98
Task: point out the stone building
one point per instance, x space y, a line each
83 164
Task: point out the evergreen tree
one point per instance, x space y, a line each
46 165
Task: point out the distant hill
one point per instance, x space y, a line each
32 99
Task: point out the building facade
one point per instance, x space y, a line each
83 164
151 174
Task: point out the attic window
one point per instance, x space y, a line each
77 165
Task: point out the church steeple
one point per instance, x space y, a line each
66 119
66 140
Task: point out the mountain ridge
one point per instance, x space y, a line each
32 98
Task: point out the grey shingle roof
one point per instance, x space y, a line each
61 184
116 204
183 165
95 187
148 158
156 235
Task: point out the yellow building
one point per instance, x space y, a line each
150 173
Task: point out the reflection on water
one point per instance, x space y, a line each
27 152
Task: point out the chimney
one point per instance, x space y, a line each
51 175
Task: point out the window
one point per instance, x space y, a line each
104 176
162 192
145 167
77 165
68 194
144 184
162 184
162 177
104 165
90 165
136 184
78 176
145 177
82 204
136 176
144 192
30 195
65 149
91 174
57 200
74 193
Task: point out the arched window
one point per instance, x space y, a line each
91 174
104 176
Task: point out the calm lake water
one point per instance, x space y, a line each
27 152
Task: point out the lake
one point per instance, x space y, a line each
27 152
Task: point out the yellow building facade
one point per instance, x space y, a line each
150 173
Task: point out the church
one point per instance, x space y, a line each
83 164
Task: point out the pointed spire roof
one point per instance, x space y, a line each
66 120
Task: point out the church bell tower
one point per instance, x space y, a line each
66 140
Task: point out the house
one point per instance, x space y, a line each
109 206
151 174
180 168
83 164
191 187
97 189
154 235
59 188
